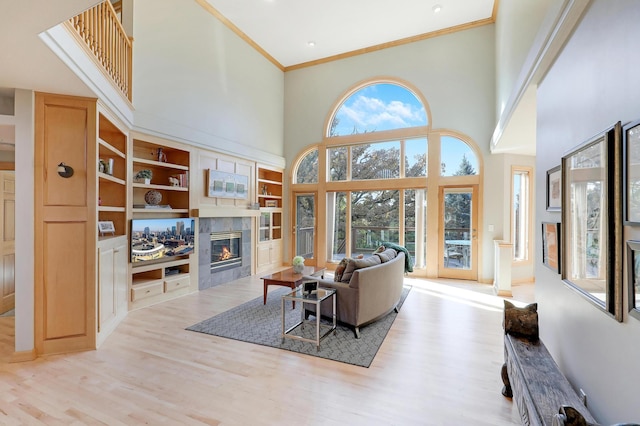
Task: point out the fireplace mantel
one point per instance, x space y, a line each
225 212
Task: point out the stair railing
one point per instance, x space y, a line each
101 31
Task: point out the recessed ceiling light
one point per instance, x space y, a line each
437 8
311 43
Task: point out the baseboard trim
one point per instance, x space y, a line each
23 356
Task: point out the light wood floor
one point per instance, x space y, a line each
439 365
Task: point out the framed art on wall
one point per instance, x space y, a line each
554 189
631 173
551 246
592 221
227 185
633 273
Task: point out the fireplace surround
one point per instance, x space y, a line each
235 234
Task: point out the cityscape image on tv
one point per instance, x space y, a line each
153 239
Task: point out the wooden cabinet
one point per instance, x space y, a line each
270 225
112 284
169 164
160 281
269 255
269 188
65 224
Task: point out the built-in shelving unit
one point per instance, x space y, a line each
169 163
112 175
269 189
112 148
166 164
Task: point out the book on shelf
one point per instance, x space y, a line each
183 179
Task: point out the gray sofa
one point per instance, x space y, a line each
370 293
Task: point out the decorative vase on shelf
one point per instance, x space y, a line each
153 197
298 264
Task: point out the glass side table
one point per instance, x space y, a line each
315 298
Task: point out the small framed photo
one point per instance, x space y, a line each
554 189
106 226
633 269
271 203
631 173
551 246
310 287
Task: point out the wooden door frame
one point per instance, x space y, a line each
294 219
472 272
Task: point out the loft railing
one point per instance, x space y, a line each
102 32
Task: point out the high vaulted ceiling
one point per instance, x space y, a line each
284 29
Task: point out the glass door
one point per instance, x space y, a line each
305 227
458 244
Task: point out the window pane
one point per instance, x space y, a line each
520 215
337 163
457 229
415 157
457 158
377 107
374 219
336 223
308 168
415 225
375 161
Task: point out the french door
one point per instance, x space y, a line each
457 240
304 226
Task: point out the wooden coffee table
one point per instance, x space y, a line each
289 278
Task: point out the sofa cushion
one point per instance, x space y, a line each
337 274
354 264
387 255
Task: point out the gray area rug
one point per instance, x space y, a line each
254 322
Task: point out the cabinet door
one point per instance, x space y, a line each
121 270
106 286
276 253
264 255
112 284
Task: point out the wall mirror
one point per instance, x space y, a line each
592 221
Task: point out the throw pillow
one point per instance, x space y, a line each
337 274
355 264
387 255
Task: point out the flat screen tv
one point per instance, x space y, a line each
161 239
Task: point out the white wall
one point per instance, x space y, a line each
593 84
517 25
25 287
455 73
198 82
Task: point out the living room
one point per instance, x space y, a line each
277 115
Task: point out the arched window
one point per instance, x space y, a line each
375 183
457 158
307 170
377 107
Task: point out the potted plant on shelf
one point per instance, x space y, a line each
144 176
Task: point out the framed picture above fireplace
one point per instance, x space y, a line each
227 185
